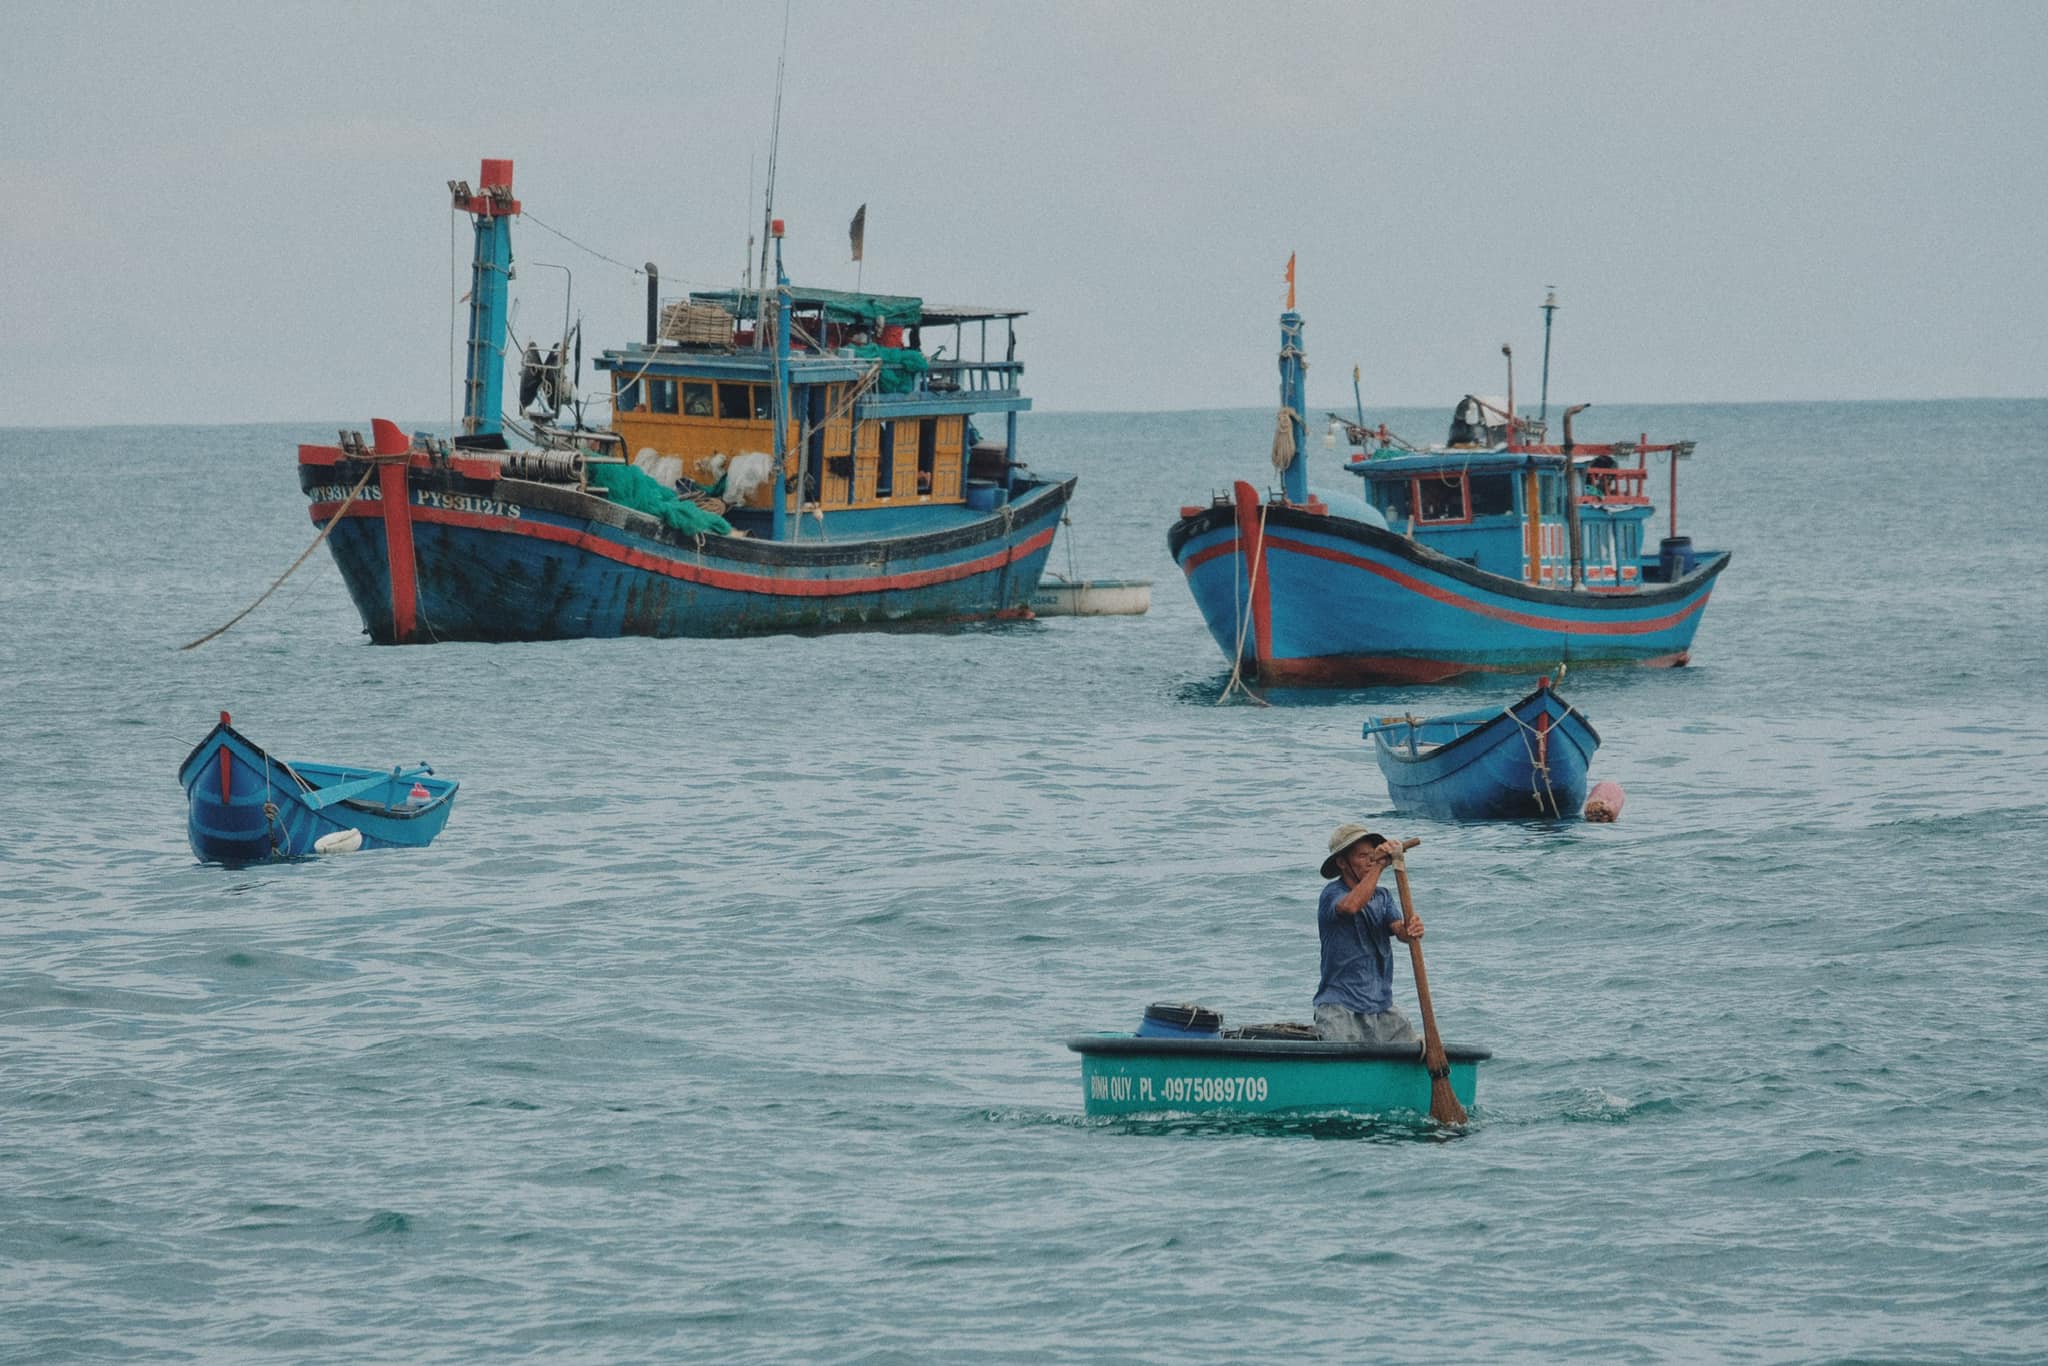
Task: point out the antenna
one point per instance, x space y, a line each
1549 307
768 199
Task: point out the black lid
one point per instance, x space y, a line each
1184 1015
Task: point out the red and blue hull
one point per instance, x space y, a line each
436 550
1304 598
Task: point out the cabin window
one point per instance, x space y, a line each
885 466
764 403
1392 499
1443 500
1551 491
735 403
661 395
927 452
628 400
696 398
1493 495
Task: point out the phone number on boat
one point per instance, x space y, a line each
1212 1090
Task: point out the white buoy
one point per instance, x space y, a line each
340 842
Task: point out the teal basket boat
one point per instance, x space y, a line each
1122 1074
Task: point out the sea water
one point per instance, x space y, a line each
725 1019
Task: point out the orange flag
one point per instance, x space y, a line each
1290 282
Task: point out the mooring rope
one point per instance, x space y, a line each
295 563
1539 764
1244 618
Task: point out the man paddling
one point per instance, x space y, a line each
1358 919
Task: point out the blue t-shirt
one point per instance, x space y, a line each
1358 952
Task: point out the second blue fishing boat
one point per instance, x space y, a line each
1526 761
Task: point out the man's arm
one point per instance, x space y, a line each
1353 901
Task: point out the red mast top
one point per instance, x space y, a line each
494 198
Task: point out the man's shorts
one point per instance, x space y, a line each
1339 1025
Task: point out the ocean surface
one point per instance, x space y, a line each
725 1020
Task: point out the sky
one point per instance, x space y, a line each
220 213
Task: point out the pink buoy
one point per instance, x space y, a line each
1603 803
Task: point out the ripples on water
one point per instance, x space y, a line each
725 1018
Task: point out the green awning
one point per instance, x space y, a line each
838 306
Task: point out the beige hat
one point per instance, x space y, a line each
1343 838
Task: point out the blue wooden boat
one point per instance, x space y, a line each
772 460
1490 553
1526 761
244 805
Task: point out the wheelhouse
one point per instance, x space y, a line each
1509 512
876 422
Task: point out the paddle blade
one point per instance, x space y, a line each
1443 1102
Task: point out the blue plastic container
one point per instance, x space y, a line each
1165 1021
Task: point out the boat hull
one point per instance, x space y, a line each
1339 603
244 806
1527 761
1122 1075
495 559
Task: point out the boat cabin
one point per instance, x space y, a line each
882 407
1507 511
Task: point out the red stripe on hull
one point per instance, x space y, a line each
1414 585
397 511
1369 670
1251 539
713 578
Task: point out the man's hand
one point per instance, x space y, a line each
1407 931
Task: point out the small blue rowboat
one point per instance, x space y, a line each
244 805
1526 761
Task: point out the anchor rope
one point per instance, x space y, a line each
295 563
1236 682
1539 764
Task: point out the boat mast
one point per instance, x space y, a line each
492 208
776 514
768 199
1549 307
1293 369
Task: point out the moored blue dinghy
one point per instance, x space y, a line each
1524 761
244 805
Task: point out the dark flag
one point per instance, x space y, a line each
858 229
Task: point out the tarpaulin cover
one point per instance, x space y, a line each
900 367
837 305
633 488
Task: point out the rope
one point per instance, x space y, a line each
295 563
1244 617
634 270
1539 764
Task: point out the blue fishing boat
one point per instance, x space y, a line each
1490 553
1524 761
244 805
771 459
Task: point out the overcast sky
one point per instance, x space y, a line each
230 213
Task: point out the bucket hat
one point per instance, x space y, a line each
1342 838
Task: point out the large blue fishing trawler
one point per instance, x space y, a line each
775 459
1490 553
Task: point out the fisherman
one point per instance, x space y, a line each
1358 920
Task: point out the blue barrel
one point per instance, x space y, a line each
1179 1022
1675 558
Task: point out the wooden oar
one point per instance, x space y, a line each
1443 1102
